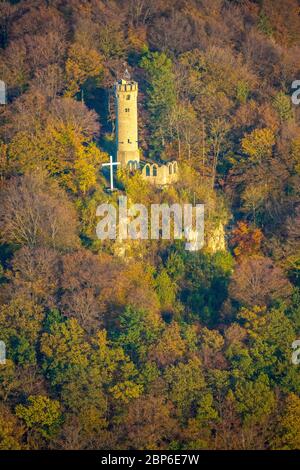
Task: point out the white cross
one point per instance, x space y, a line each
111 165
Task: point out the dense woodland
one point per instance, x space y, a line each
159 348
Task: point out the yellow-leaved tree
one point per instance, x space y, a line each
63 152
290 424
258 144
41 415
82 63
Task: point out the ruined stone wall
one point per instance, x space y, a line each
160 174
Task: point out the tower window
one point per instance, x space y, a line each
127 110
128 97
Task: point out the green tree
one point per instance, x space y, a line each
283 105
271 335
205 284
185 386
20 326
41 415
138 330
161 97
166 290
255 399
65 351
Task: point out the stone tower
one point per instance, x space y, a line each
126 123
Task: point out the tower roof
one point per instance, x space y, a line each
127 75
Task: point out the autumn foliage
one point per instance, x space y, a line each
142 344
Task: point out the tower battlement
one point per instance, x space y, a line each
124 85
